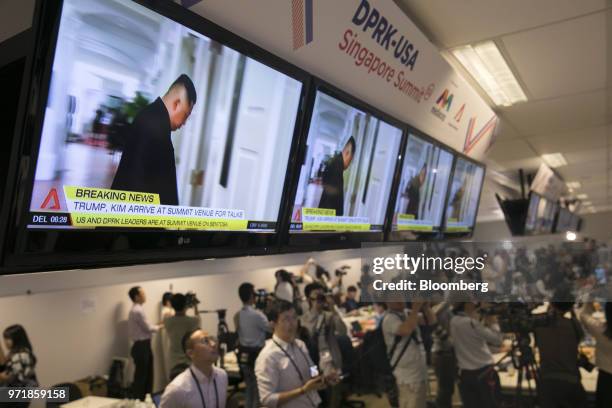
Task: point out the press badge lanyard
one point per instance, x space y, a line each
295 366
200 389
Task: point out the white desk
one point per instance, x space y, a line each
92 402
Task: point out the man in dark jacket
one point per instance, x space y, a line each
147 163
413 192
333 179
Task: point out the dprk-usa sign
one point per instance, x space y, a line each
370 49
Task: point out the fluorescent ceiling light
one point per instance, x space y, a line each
573 184
570 236
487 66
554 159
582 196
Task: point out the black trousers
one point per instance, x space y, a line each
561 394
445 367
143 375
480 388
603 396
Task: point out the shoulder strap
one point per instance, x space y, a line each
402 352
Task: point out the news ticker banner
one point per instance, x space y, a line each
89 208
326 220
407 222
507 272
453 225
372 50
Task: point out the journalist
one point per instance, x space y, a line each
479 384
176 326
443 356
286 375
557 342
139 332
202 384
602 332
252 327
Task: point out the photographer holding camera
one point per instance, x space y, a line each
176 326
479 384
252 327
557 342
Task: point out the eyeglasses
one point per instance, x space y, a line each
208 341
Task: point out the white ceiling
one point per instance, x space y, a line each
560 52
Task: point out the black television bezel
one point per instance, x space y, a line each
412 235
308 241
92 248
470 232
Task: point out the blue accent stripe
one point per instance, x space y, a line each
308 20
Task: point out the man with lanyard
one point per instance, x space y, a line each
286 375
406 351
479 384
202 385
252 327
323 325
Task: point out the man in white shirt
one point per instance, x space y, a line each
139 332
252 327
478 380
202 384
286 376
406 351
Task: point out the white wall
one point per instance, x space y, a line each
76 319
16 16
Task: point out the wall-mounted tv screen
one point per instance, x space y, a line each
564 220
346 176
462 203
423 185
149 124
540 215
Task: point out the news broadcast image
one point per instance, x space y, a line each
423 185
464 195
121 115
346 176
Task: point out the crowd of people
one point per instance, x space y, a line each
295 348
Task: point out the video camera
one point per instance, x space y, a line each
262 298
343 270
191 300
516 317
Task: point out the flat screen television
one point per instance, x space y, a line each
564 220
540 215
422 190
155 130
347 169
463 197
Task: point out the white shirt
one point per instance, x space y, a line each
183 392
139 327
284 291
276 373
471 339
603 346
412 366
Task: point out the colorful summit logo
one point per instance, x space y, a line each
301 19
443 105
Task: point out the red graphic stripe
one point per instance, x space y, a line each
470 143
297 11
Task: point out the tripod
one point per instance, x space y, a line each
224 337
523 360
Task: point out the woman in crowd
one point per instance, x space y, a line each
602 332
17 368
284 289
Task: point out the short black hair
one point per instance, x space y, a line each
186 82
353 144
178 302
245 291
166 297
185 339
133 292
278 307
311 287
352 288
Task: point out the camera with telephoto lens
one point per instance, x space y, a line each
191 300
343 270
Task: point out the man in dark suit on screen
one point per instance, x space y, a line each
333 178
147 163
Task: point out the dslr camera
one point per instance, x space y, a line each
191 300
